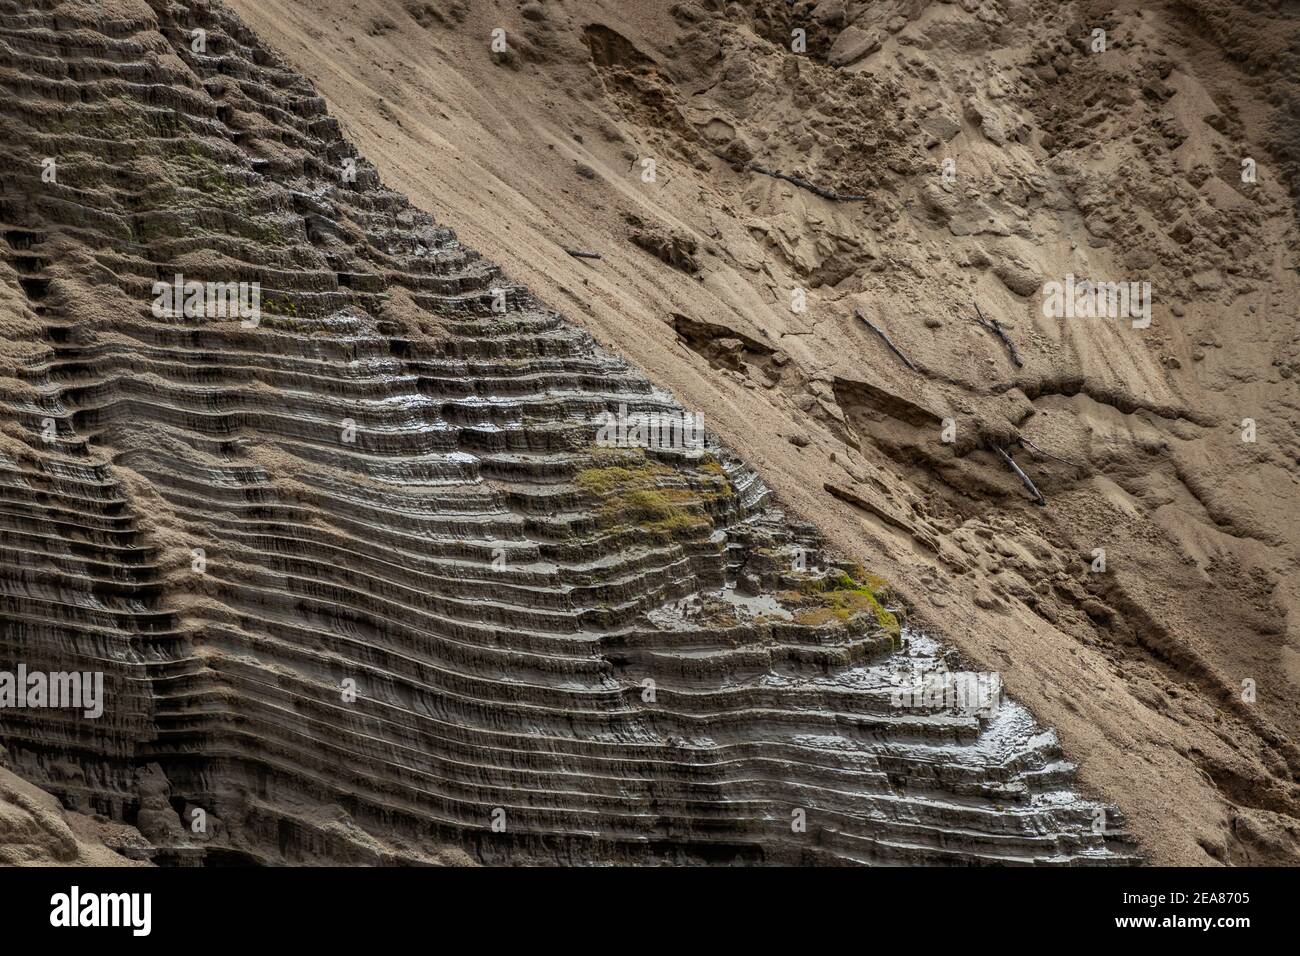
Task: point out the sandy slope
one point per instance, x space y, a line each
36 831
1116 166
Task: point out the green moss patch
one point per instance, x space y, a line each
840 597
639 493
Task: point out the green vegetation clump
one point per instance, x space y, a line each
198 181
605 479
194 168
839 597
280 307
711 466
642 494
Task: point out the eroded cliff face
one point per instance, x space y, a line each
364 580
997 151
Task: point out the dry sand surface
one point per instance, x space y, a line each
1116 165
36 831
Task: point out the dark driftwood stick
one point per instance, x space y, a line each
579 254
996 328
887 340
1038 495
822 191
1032 447
811 187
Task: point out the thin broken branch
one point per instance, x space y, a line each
1034 448
1033 490
822 191
887 340
580 254
995 327
811 187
